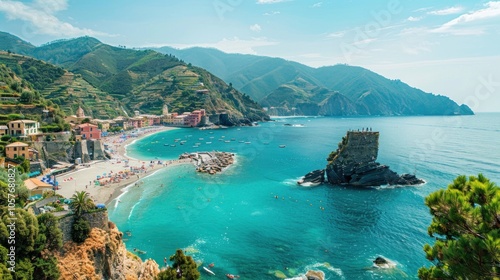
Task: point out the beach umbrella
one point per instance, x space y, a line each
100 205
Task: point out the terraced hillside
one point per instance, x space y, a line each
71 91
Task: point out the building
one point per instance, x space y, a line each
105 124
4 130
17 149
78 118
189 119
37 187
88 131
120 122
23 128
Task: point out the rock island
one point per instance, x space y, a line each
354 163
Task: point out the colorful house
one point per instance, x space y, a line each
17 149
88 131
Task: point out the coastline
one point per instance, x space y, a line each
85 177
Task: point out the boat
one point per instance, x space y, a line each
282 146
173 145
209 142
200 139
248 142
233 139
232 276
241 141
208 271
227 141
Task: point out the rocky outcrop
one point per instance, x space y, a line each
210 162
354 163
313 178
103 256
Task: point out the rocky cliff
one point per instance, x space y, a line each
103 256
354 163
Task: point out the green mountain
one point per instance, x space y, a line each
63 89
11 43
279 83
19 99
127 80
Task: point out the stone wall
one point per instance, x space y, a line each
360 147
96 220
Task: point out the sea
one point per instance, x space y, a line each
253 220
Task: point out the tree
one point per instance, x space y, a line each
81 203
80 230
184 268
86 120
466 225
26 97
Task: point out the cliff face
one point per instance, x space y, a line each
103 256
354 163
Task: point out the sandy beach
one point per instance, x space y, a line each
114 174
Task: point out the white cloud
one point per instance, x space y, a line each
232 45
41 16
418 48
270 1
447 11
339 34
317 5
456 26
272 13
414 18
255 28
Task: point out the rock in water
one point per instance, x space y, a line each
313 178
315 275
354 163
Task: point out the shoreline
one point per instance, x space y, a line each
84 177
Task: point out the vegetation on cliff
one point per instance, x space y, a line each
183 267
35 240
466 225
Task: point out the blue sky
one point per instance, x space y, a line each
446 47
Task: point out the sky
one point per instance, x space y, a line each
450 48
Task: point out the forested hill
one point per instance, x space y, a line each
144 80
275 82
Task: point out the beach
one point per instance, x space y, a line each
114 174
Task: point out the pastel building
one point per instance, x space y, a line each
88 131
23 128
17 149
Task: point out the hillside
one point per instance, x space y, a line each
19 99
129 80
273 82
11 43
62 88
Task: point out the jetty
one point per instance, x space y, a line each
210 162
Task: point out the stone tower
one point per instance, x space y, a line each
80 113
165 110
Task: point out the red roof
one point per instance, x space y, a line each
86 125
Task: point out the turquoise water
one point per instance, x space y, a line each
234 220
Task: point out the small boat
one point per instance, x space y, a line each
227 141
248 142
232 276
209 142
140 251
282 146
208 271
200 139
241 141
165 144
196 146
233 139
173 145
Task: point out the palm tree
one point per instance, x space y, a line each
81 203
